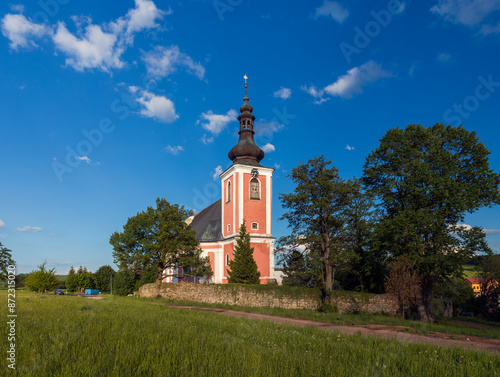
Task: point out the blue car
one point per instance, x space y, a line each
58 292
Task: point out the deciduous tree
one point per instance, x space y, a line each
42 280
5 261
404 282
103 277
320 212
158 238
426 181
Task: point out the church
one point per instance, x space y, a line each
246 194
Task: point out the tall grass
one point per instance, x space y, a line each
73 336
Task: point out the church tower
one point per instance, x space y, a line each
247 195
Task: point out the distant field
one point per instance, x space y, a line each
472 271
73 336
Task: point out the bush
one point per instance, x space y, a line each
42 280
123 283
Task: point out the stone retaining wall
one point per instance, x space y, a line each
230 295
374 304
277 297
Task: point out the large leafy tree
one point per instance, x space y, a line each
42 280
320 212
159 238
426 181
243 268
103 277
5 261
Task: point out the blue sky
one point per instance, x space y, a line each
108 105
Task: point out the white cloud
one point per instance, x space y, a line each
444 57
316 93
92 46
463 226
218 171
486 231
217 122
321 101
466 12
313 91
21 31
84 158
492 231
163 61
268 148
283 93
175 150
277 165
349 148
143 16
95 49
265 129
2 224
355 79
333 9
29 229
207 140
159 108
490 29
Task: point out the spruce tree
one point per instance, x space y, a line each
243 269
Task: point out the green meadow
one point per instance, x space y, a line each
74 336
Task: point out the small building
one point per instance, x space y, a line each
477 284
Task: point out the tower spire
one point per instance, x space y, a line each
246 151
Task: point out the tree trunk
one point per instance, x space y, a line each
424 304
329 276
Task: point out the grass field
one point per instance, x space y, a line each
73 336
444 325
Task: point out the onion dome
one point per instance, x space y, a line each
246 151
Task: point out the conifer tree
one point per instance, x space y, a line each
243 268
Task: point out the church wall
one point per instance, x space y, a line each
211 257
261 255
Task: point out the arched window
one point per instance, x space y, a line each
228 192
255 189
227 259
255 226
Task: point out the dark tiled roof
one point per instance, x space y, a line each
207 223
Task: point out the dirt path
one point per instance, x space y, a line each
383 331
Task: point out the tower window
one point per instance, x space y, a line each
228 227
228 193
227 259
255 226
255 189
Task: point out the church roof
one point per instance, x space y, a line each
246 151
207 223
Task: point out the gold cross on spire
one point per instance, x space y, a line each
246 78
